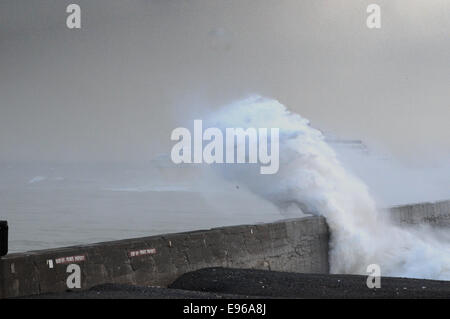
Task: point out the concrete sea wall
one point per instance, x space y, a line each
435 214
297 245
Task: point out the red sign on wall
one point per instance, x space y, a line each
70 259
142 252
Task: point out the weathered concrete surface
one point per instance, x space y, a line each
435 214
299 245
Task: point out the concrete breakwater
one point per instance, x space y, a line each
297 245
436 214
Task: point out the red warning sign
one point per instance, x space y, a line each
70 259
142 252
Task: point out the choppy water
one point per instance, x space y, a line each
55 205
60 205
51 205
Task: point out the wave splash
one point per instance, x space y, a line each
312 178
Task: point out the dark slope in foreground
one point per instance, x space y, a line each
292 285
218 283
118 291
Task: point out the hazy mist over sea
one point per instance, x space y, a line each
86 115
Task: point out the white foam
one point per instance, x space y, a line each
154 188
37 179
312 177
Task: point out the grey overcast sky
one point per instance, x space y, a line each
115 89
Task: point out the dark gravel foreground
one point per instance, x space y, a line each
116 291
225 283
292 285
